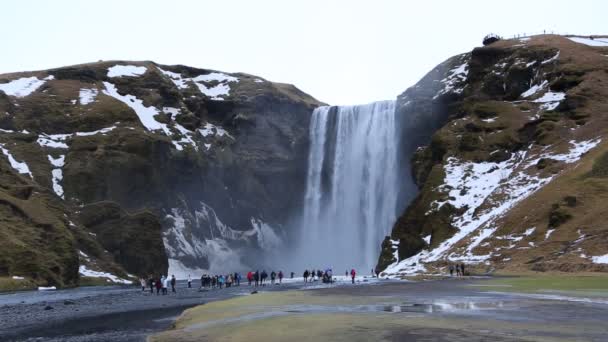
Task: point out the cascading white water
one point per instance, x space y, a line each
352 186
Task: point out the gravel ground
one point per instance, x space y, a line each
116 313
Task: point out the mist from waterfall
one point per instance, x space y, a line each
352 186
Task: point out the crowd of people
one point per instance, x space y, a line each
161 284
459 268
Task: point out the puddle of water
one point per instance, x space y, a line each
440 307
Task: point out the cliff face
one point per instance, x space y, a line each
512 177
118 167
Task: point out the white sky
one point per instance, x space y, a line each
341 52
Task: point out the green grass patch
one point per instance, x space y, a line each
8 284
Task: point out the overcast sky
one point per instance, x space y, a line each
341 52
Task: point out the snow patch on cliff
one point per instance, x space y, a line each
534 89
455 77
23 86
214 85
126 70
486 191
57 173
550 100
86 272
87 95
145 114
590 42
600 259
20 167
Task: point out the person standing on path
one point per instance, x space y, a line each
462 269
189 281
451 270
142 281
151 283
352 275
159 285
280 277
346 273
292 274
273 276
173 281
165 281
256 278
264 276
305 275
249 277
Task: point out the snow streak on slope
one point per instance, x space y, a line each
590 42
126 70
214 85
86 272
20 167
457 77
145 114
57 173
23 86
486 191
87 96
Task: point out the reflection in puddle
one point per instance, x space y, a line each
439 307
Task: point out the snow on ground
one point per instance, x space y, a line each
550 100
486 191
57 173
456 76
186 135
146 117
210 130
601 259
554 58
99 131
214 85
126 70
52 140
180 83
590 42
20 167
23 86
548 233
534 89
18 278
87 95
46 288
83 255
85 272
59 140
145 114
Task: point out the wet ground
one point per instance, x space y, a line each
108 313
442 310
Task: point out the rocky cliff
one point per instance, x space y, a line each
513 176
117 169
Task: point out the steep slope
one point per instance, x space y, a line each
143 167
514 178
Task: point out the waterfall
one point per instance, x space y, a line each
352 186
